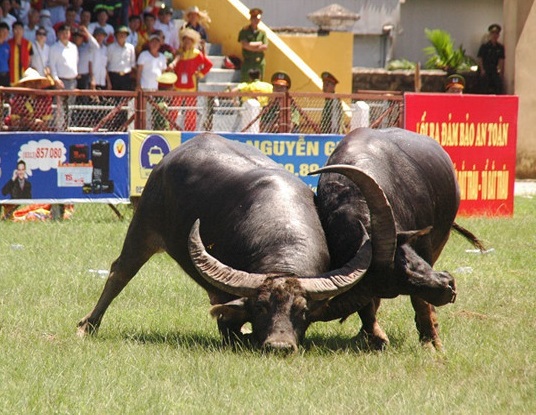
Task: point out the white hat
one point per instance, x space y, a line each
30 75
44 13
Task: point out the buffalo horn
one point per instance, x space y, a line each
382 222
245 284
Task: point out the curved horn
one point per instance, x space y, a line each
245 284
221 276
338 281
382 222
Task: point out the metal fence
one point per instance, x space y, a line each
116 111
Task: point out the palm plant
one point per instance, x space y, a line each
442 53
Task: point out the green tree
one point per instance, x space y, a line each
443 55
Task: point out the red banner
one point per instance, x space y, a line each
479 132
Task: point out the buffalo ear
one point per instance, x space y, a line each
407 237
232 311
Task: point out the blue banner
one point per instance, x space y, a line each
64 167
299 154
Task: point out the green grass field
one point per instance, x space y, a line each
158 351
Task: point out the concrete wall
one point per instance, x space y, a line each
525 87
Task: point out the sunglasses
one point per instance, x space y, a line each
41 33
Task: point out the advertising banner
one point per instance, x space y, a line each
299 154
63 168
479 132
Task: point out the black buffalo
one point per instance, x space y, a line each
269 261
416 178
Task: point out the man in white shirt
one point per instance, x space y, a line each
167 26
31 27
63 61
98 58
121 69
121 61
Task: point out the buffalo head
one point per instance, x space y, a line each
279 307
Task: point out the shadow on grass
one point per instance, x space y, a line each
319 344
190 340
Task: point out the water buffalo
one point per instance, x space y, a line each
266 261
416 178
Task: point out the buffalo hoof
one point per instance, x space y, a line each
434 345
377 340
85 328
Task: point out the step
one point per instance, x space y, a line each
222 75
216 86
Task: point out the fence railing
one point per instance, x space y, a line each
115 111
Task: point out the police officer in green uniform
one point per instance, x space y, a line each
331 121
254 43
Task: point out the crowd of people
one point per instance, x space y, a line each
108 46
83 45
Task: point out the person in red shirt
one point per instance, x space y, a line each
20 56
189 65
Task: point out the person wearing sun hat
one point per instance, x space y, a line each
199 21
454 84
189 65
490 59
31 112
254 44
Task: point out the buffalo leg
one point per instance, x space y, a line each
371 332
137 249
426 322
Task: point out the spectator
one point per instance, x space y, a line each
165 49
44 21
254 44
70 20
79 39
491 62
20 53
64 70
271 116
455 84
121 69
331 121
98 60
85 18
167 26
21 9
199 21
57 10
147 30
77 6
7 15
31 112
40 61
189 65
121 61
102 22
30 28
255 84
134 25
151 64
4 55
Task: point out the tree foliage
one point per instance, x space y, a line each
443 55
